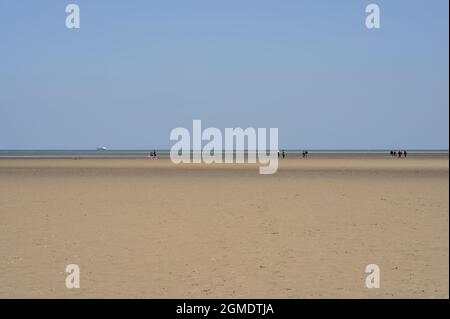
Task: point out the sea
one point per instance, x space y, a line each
166 153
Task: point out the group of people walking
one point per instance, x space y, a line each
282 154
398 154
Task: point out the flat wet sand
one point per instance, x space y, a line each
141 228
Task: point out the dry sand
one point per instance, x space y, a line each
151 229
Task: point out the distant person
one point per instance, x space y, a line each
404 153
278 154
392 153
399 154
283 154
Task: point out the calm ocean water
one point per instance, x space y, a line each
165 153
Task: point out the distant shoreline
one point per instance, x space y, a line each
166 154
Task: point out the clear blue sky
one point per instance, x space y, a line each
137 69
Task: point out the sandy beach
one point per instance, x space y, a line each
141 228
